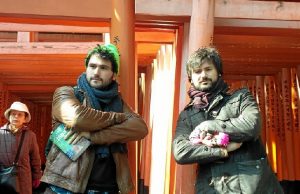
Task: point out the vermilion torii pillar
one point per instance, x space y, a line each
122 35
201 34
202 24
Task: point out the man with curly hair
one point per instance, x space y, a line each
95 110
220 131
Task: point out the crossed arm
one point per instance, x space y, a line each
99 126
132 129
244 127
185 152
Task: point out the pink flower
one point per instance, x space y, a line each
222 139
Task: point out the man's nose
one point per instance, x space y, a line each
203 74
97 71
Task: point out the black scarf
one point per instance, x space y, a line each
106 99
201 99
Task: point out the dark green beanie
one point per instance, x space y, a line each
107 51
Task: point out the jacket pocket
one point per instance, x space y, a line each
251 175
225 178
61 165
230 110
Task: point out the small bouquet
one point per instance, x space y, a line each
222 139
202 137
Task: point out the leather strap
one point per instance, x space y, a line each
19 148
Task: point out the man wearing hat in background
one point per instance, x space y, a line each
94 109
238 164
29 163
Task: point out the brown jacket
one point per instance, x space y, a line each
29 163
105 128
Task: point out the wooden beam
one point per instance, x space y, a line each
53 20
29 88
260 40
163 8
51 68
51 28
52 64
149 43
39 78
251 70
146 59
43 97
42 58
159 18
239 62
76 8
148 48
155 37
243 9
34 94
262 10
47 47
238 77
256 31
257 23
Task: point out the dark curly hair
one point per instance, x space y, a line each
200 56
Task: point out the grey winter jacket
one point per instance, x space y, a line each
245 170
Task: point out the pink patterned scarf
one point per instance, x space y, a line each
201 99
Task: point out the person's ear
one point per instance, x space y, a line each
114 76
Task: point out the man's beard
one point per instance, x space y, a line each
206 89
104 85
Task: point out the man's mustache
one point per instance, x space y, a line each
205 79
96 78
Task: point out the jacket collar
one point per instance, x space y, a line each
5 127
218 98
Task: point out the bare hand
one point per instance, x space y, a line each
233 146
